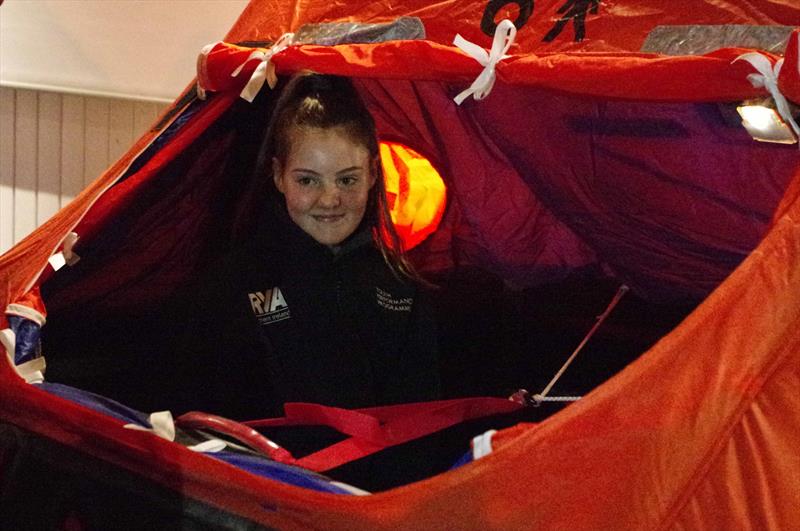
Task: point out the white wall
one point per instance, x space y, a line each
142 49
52 145
81 80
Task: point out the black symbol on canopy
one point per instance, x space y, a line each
575 10
488 25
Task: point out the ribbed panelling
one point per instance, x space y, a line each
52 145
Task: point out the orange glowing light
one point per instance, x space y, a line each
415 190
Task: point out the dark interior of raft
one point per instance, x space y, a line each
109 337
493 341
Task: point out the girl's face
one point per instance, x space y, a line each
326 182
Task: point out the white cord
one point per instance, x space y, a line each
539 398
542 397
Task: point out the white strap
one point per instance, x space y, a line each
265 71
767 77
351 489
57 261
162 425
503 39
210 446
65 256
482 444
204 51
9 341
26 312
31 371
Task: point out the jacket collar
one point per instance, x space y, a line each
281 234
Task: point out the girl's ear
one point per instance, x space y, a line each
277 174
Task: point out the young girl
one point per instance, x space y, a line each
320 306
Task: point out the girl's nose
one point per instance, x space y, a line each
330 197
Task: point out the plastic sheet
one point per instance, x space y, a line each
702 39
330 34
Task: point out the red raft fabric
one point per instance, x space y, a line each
710 77
700 430
669 197
789 80
621 25
610 73
700 433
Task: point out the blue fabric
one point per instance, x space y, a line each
256 465
288 474
463 460
27 334
99 403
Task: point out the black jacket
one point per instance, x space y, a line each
285 318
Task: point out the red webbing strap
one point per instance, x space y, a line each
242 433
373 429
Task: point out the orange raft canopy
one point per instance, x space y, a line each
591 148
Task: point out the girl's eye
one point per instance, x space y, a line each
348 180
305 181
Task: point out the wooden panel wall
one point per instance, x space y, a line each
52 145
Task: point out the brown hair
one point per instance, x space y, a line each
326 101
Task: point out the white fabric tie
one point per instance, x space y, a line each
265 71
503 39
31 371
482 445
162 425
767 77
65 256
210 446
26 312
201 59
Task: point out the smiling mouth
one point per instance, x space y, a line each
328 218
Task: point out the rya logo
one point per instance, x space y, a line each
269 306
